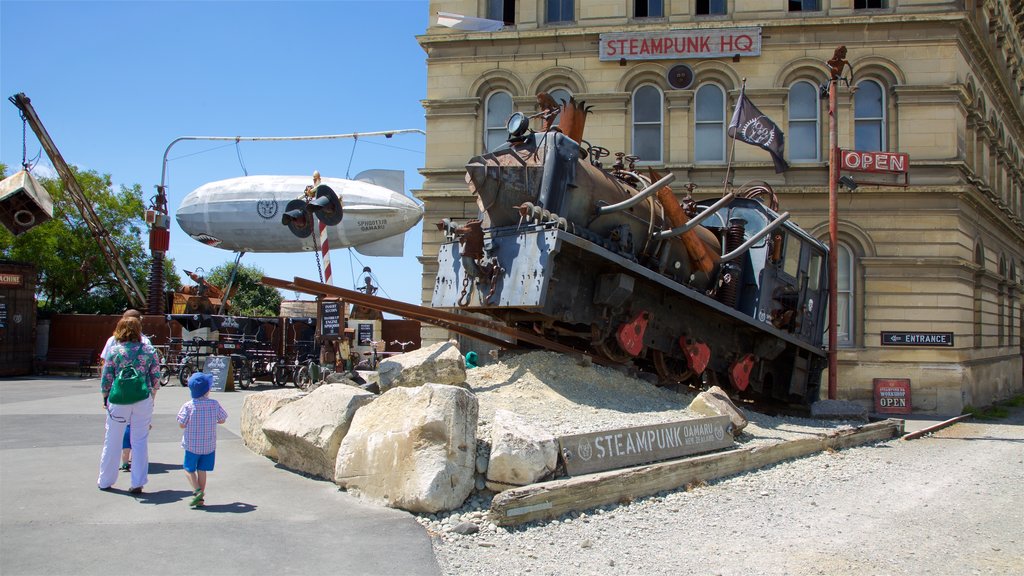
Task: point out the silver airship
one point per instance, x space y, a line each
245 214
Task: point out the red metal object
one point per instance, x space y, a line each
697 354
159 239
739 372
892 396
631 334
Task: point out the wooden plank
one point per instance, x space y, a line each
548 500
624 447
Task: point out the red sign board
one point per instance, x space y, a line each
892 395
676 44
885 162
10 279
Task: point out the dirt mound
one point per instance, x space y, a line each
567 396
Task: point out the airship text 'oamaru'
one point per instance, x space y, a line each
244 214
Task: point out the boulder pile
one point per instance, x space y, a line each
437 432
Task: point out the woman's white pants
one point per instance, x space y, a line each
139 415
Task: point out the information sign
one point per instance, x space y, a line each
3 314
597 451
364 334
884 162
892 395
330 318
220 368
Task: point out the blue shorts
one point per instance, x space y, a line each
127 441
195 461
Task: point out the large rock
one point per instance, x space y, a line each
256 408
441 363
307 432
521 453
413 448
715 402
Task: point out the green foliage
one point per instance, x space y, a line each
74 277
251 298
996 411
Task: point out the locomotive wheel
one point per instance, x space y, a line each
611 350
672 370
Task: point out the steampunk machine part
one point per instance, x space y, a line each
612 263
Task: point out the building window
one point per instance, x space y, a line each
560 11
648 8
804 133
497 111
709 129
869 116
707 7
647 112
804 5
561 96
862 4
844 296
504 10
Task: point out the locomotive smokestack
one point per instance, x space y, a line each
574 118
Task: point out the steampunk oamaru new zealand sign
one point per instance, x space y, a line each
608 450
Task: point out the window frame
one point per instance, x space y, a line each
723 122
647 4
562 5
708 8
506 6
801 8
816 121
849 339
882 120
503 127
660 123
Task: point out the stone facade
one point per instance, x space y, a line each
944 254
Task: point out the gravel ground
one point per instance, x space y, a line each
950 503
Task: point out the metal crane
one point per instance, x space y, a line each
99 232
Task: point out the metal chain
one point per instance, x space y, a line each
24 142
316 251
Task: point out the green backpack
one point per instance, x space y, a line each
129 385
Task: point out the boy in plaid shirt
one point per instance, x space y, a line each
199 418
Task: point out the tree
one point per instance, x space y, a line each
74 277
252 298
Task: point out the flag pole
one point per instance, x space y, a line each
732 148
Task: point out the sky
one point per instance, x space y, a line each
114 83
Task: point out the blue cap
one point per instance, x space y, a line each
199 384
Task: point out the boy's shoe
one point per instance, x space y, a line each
126 467
135 490
197 498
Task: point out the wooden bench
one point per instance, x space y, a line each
81 359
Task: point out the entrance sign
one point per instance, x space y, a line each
676 44
892 396
944 339
330 318
608 450
879 162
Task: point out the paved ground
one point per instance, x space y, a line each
259 518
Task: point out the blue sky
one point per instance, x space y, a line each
115 82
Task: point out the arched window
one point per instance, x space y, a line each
497 111
845 304
709 128
804 134
869 116
647 115
560 95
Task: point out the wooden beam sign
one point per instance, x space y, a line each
608 450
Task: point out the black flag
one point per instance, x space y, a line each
751 126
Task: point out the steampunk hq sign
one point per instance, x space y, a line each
678 44
608 450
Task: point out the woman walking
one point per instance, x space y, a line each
128 351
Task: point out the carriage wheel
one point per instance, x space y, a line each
611 350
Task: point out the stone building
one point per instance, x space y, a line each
939 80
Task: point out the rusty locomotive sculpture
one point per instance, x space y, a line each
724 291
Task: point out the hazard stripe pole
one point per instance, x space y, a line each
325 252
